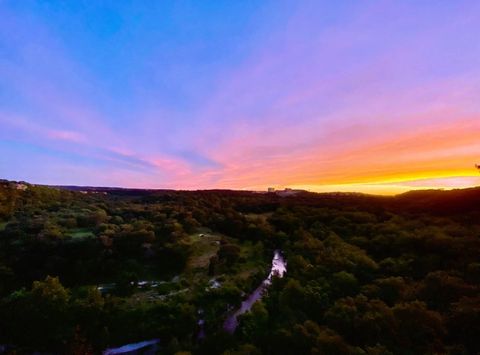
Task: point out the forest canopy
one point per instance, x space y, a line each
83 269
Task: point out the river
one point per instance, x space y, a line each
144 347
279 268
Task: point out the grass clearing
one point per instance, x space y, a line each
205 245
203 248
80 233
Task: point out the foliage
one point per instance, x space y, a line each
83 271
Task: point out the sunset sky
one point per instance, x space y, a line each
370 96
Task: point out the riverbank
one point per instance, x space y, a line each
278 269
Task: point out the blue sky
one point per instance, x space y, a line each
375 96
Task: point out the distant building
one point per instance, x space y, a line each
271 189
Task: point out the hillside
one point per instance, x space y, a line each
84 269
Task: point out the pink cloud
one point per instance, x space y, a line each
67 136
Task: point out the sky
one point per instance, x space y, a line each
370 96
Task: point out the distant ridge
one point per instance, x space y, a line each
430 196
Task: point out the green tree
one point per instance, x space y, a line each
344 284
419 328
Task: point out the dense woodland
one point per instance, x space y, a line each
366 274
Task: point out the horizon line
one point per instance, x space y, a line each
264 190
